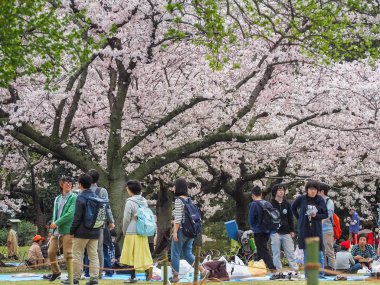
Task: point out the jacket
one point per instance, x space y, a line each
313 227
286 214
35 254
255 215
67 215
354 224
130 210
77 228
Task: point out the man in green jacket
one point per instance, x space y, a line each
63 215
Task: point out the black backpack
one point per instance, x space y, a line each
192 225
271 219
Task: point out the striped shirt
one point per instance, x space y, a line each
178 212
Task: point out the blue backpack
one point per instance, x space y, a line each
146 222
192 224
95 214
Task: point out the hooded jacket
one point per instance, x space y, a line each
313 227
132 204
286 214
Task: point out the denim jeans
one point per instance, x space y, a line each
286 241
321 261
107 260
183 247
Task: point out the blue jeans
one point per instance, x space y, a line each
107 260
288 245
183 247
321 261
354 268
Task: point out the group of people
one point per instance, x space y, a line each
314 213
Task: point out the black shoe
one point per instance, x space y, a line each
75 282
54 276
92 282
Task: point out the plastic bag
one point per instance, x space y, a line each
257 268
239 269
299 255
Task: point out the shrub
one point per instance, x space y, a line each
3 236
25 233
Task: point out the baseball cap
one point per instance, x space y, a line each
38 238
345 244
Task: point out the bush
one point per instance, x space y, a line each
25 233
3 236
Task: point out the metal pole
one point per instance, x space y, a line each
312 265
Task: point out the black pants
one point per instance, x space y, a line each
261 241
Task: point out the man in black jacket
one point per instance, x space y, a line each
84 238
285 234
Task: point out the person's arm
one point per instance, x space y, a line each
372 252
355 253
330 210
40 257
110 219
68 215
251 215
290 220
77 216
295 206
322 211
178 214
127 218
352 261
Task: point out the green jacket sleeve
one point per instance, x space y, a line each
68 215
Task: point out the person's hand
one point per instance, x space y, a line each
358 257
175 237
292 234
370 259
313 215
53 226
111 226
71 236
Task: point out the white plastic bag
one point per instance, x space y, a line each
239 269
299 255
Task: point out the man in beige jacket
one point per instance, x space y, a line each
35 256
12 242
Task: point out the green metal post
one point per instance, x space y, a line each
312 265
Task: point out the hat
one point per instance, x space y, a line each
345 244
38 238
276 187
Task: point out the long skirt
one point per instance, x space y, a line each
136 252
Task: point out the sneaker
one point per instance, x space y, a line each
54 276
276 276
129 281
174 279
92 282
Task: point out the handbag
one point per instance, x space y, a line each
217 270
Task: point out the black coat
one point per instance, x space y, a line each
77 227
305 228
287 224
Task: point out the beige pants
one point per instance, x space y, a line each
79 245
328 243
56 243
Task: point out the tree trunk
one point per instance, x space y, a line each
163 210
40 216
242 201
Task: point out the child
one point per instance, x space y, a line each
345 261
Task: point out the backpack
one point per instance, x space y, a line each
146 223
271 218
95 214
192 225
336 224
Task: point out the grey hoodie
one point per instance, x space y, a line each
130 210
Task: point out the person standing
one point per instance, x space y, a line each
353 228
84 237
63 214
310 209
255 217
135 253
328 227
102 193
285 234
12 243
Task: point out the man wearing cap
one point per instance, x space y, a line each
35 256
63 215
12 244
